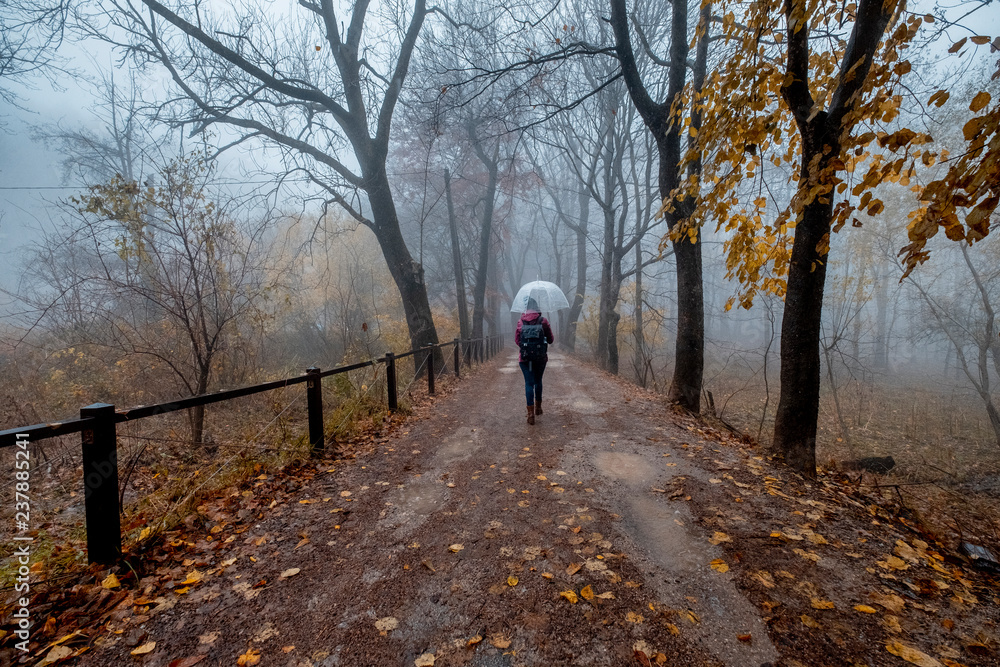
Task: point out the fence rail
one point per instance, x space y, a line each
97 426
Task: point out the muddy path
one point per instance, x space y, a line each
475 539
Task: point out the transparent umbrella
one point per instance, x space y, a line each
547 295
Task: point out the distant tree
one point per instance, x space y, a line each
319 85
157 272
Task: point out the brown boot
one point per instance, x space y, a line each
531 415
538 406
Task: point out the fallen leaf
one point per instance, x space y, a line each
384 625
893 603
569 595
288 649
912 655
573 568
719 565
865 609
455 548
345 494
474 640
290 572
208 638
604 596
809 621
632 617
719 538
55 655
194 577
691 616
764 578
808 555
424 660
248 659
548 575
512 581
144 649
499 640
187 662
821 604
110 581
674 630
745 638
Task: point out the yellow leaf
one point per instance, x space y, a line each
979 102
194 576
290 572
455 548
632 617
144 649
674 630
719 565
719 538
569 595
912 655
809 621
474 640
547 575
512 580
248 659
587 593
144 533
110 581
499 640
821 604
424 660
865 609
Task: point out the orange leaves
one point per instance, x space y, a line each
570 595
249 659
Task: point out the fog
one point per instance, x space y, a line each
515 135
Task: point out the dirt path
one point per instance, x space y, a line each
482 541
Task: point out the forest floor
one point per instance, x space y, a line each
612 532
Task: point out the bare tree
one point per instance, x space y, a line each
320 88
160 273
30 34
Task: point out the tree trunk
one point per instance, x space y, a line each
798 402
456 256
576 306
639 358
406 273
485 237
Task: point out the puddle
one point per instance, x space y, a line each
458 446
659 532
630 468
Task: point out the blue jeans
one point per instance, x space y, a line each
532 371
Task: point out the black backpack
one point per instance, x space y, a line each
533 343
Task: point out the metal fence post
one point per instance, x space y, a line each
458 373
314 402
100 479
390 380
430 370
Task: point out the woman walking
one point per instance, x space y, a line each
533 336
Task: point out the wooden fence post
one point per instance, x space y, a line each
390 381
100 479
314 402
458 373
430 370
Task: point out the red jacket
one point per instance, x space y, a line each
533 318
